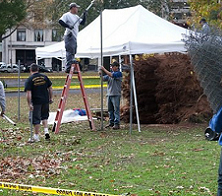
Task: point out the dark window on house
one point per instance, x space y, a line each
38 35
21 35
56 35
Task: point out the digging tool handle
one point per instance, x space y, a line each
86 10
92 2
8 119
31 122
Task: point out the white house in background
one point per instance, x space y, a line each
22 43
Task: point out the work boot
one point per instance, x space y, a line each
109 126
115 127
67 70
47 136
73 62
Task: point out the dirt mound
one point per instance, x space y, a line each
167 91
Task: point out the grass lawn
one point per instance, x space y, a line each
161 160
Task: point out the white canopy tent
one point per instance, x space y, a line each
126 31
132 30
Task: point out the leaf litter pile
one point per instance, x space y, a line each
22 167
13 168
39 165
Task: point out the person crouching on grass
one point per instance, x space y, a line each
114 79
38 90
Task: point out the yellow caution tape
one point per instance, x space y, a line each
51 77
57 87
78 87
38 189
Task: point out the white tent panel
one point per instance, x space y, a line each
54 50
132 30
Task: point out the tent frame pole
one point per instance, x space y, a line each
131 100
101 78
133 92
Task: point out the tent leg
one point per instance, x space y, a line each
131 101
101 80
120 63
133 87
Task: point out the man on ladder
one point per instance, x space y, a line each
71 22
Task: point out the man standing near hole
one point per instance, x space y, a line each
114 79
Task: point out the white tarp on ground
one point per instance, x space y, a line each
132 30
68 116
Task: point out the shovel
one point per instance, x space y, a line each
31 140
8 119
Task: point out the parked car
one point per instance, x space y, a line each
44 69
3 68
22 68
41 69
2 64
11 68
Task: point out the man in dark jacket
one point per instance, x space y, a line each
38 90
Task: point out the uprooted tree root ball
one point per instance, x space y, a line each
167 91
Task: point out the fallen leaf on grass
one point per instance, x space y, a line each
103 135
79 167
19 138
158 154
128 186
204 189
197 149
180 187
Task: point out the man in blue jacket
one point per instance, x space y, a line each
114 79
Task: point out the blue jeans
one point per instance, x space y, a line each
71 46
219 191
114 109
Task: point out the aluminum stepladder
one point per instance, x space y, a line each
74 68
